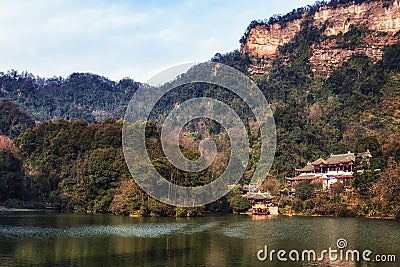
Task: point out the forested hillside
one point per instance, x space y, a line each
356 108
81 95
78 165
13 120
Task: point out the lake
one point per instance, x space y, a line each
66 239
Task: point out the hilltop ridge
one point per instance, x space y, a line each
343 28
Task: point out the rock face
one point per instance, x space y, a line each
382 23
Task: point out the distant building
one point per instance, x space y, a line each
331 170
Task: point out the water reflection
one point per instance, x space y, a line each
91 240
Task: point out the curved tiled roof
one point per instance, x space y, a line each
341 158
319 162
333 159
308 168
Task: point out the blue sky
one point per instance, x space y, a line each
118 39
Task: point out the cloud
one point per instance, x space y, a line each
122 38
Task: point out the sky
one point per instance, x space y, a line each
123 38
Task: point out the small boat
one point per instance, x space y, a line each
260 208
262 203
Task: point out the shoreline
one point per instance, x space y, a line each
333 216
4 209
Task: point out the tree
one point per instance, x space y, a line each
103 178
387 189
11 176
391 57
237 202
365 181
240 204
337 189
271 185
13 120
304 190
6 144
128 198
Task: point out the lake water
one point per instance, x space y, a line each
59 239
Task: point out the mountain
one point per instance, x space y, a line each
81 95
342 29
330 72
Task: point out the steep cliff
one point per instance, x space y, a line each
345 29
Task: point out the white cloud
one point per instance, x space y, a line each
122 38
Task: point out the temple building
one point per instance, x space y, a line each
331 170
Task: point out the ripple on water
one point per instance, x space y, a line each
193 228
148 230
238 230
145 230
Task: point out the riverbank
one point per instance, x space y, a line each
204 214
193 212
286 212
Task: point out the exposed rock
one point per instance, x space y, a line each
383 23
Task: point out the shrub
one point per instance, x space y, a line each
309 204
297 205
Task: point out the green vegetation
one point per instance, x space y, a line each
299 13
74 164
374 194
353 38
79 166
11 176
13 120
81 95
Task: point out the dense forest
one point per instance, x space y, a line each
72 157
80 166
14 120
81 95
